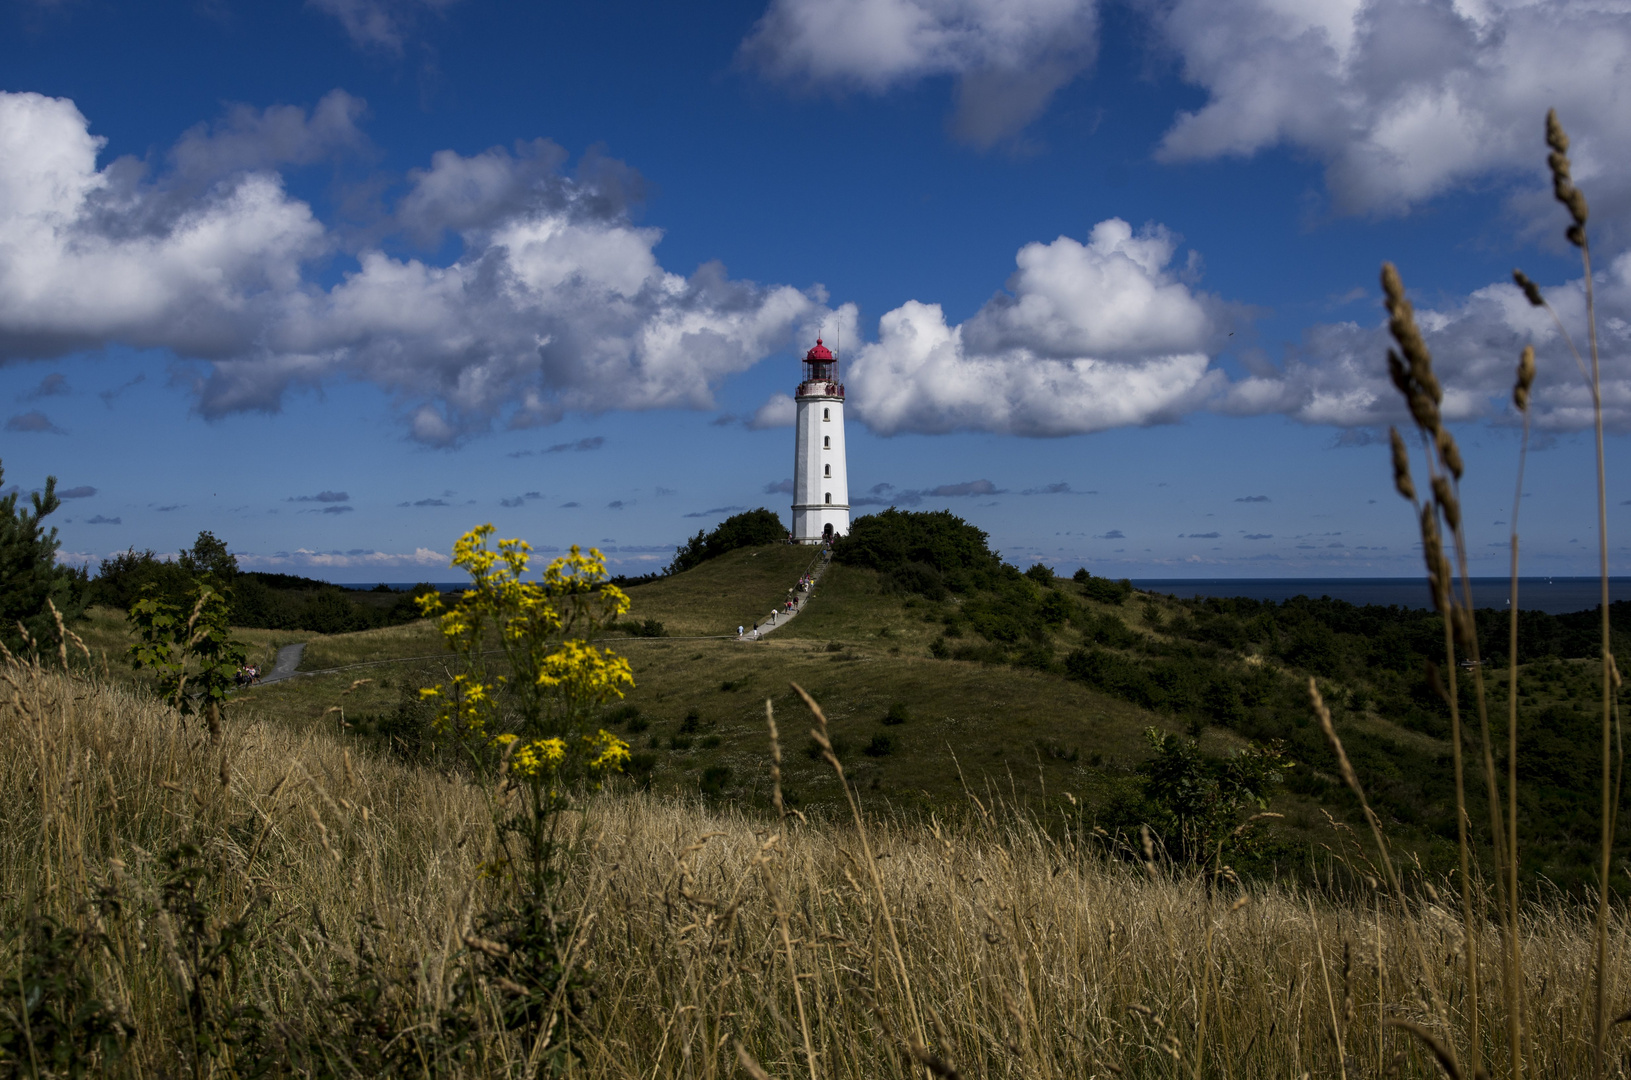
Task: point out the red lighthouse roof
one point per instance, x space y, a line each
819 354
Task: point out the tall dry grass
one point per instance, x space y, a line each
1017 950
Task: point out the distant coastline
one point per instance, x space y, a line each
1553 595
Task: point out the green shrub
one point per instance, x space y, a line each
753 528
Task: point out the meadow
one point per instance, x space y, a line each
289 904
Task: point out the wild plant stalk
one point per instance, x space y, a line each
1520 399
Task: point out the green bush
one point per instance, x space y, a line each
753 528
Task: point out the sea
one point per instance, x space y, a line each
1553 595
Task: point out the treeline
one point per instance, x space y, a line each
258 600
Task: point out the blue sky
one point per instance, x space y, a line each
339 280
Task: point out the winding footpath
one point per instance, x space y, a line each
781 618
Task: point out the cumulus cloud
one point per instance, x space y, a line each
321 497
1402 100
779 412
1338 374
83 492
1085 337
1253 498
100 520
33 422
556 302
1008 56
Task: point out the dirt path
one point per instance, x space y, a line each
288 659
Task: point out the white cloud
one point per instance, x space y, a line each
1339 374
556 303
1009 56
780 411
307 558
1086 337
1402 100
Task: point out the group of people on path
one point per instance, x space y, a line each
249 675
789 607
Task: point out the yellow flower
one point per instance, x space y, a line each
537 757
607 753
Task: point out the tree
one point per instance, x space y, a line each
209 558
193 654
31 582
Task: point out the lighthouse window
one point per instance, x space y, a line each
829 496
826 414
826 442
829 470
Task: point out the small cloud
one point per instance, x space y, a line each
167 509
110 396
511 504
724 420
1349 437
618 504
779 487
321 497
520 453
1200 536
1254 498
333 510
967 487
1061 488
716 511
1336 544
424 502
1260 536
83 492
570 506
33 422
1113 534
593 442
53 385
661 491
100 520
1305 547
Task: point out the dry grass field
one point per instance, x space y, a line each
338 892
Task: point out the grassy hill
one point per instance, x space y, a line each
932 697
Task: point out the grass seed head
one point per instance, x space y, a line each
1531 291
1526 378
1401 459
1447 502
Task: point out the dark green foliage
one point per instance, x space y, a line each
1042 574
752 528
1103 590
714 779
31 582
926 553
53 1020
262 601
191 651
881 746
1195 801
643 628
897 713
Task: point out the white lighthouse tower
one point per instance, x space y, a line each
820 478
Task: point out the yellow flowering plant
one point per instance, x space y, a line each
530 678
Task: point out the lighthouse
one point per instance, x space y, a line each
820 478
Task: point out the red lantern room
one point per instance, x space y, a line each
821 366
